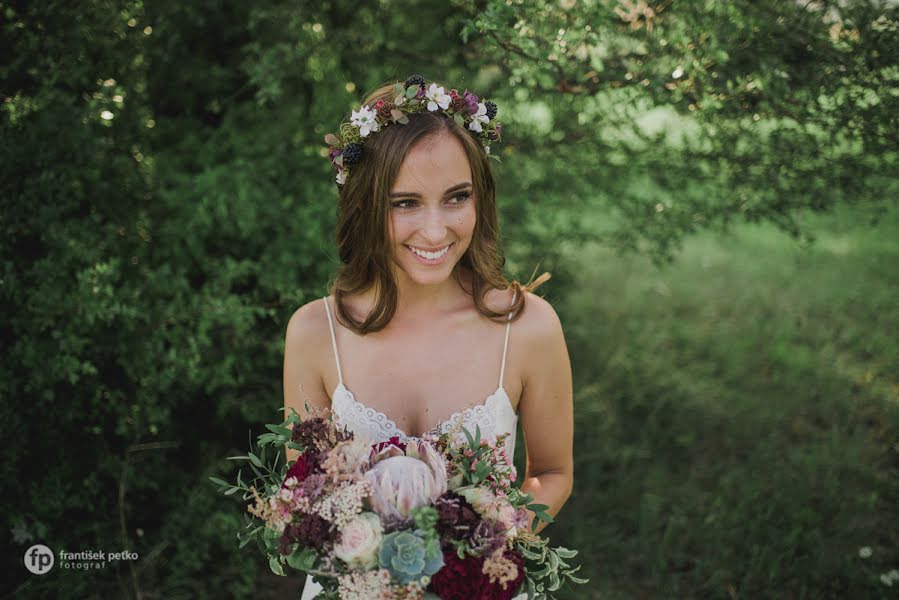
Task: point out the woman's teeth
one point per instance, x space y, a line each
429 255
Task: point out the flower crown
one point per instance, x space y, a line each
413 96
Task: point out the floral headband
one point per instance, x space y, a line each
413 96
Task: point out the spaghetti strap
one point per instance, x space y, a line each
333 341
506 343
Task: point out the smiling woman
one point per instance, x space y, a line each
417 173
420 313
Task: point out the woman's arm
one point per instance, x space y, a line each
303 349
546 408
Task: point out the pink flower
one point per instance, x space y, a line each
403 481
359 541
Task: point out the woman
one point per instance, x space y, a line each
419 318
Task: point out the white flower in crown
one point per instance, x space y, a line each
365 119
437 97
478 118
399 100
341 176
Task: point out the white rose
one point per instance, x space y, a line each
359 541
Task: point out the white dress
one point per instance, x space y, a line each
494 416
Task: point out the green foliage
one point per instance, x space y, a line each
729 111
166 205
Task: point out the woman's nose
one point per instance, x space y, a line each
434 227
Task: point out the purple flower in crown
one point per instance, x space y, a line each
471 102
495 135
334 153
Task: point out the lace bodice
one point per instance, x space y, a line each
494 415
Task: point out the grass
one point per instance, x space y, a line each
737 416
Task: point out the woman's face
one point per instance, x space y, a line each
432 209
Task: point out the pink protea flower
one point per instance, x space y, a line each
405 480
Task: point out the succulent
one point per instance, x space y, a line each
408 556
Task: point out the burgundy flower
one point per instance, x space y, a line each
302 467
495 135
394 441
463 579
309 530
471 102
456 518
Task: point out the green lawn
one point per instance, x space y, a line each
737 429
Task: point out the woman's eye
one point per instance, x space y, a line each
458 199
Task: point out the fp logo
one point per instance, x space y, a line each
39 559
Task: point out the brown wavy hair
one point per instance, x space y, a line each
364 211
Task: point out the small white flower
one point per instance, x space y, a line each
365 119
487 149
400 100
437 97
865 552
478 118
341 176
887 580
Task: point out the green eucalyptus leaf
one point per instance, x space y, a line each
275 566
302 559
528 554
279 430
554 582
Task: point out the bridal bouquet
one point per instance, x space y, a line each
432 518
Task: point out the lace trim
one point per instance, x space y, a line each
383 428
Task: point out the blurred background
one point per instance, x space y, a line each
712 185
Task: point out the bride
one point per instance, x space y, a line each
421 330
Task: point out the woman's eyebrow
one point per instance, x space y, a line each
456 187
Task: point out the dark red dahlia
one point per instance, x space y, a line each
463 579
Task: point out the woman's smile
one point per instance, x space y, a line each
429 258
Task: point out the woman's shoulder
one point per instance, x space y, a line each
539 324
538 316
308 326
